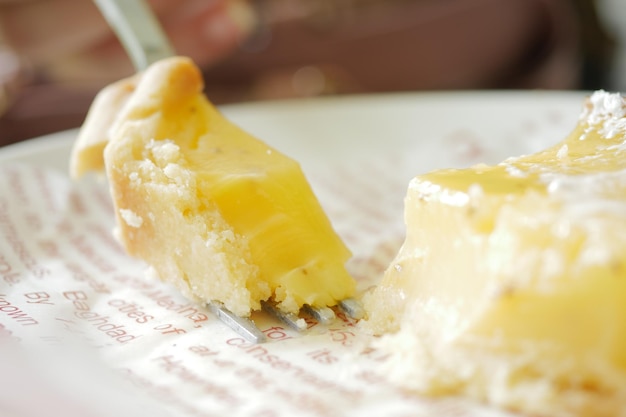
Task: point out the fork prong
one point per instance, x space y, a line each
352 308
290 319
243 326
324 315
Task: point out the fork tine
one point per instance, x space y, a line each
324 315
352 308
290 319
243 326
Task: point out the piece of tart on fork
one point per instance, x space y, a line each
223 216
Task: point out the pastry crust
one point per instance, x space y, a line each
88 151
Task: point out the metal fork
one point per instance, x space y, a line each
140 33
138 30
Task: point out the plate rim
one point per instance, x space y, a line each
62 140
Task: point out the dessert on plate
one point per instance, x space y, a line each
510 287
210 208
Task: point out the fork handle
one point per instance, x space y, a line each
138 30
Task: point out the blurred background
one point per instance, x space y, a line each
56 54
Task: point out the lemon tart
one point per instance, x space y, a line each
209 207
510 286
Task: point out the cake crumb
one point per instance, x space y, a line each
131 218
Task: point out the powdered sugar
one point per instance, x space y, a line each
608 110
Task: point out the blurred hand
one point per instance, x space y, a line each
56 54
70 40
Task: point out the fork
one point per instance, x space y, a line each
145 42
139 31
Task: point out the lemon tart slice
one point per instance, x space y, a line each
217 212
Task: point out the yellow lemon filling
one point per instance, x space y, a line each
511 284
212 209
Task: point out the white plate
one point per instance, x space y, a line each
359 153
